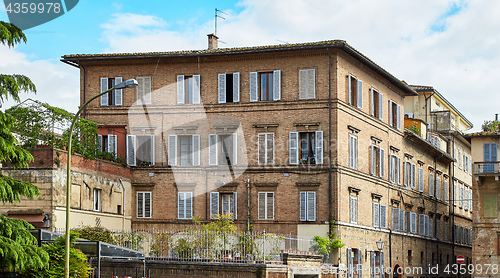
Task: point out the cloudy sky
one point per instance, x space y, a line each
450 45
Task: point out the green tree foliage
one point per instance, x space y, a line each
324 246
490 125
18 247
78 264
95 234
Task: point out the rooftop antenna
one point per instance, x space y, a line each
283 41
218 16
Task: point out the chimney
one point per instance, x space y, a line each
212 41
496 117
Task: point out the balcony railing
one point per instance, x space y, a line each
486 168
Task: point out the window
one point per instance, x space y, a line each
421 179
466 163
223 149
455 193
309 150
229 87
409 257
394 115
423 225
413 222
188 89
140 150
445 231
97 200
438 229
353 208
379 215
143 204
489 154
307 84
377 263
266 148
431 184
107 143
461 197
376 104
266 205
460 160
185 205
353 152
470 200
398 219
115 96
438 188
355 91
144 90
446 190
265 84
307 206
377 165
431 227
224 204
354 258
394 169
409 178
184 150
466 198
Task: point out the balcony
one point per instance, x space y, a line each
442 121
487 168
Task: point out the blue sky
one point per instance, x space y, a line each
451 45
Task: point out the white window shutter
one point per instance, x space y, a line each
431 184
402 220
147 204
152 150
214 204
99 138
383 216
319 147
236 87
181 205
112 144
196 89
372 264
421 224
372 102
391 118
196 150
376 215
189 205
270 206
212 149
118 92
222 88
293 148
311 83
350 266
395 219
172 150
438 188
254 87
406 174
311 206
360 94
235 149
269 148
374 159
421 179
140 90
277 85
446 191
380 106
413 177
382 158
303 84
426 217
180 89
303 206
398 170
262 205
262 148
235 205
131 161
147 95
140 204
350 89
104 87
398 117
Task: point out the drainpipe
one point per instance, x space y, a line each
84 74
330 225
123 205
390 249
248 205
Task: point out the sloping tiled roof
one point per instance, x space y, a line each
421 88
483 133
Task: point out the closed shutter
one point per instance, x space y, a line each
392 163
372 264
214 205
402 217
262 205
99 141
254 87
421 224
445 231
438 228
311 206
147 204
172 150
360 262
398 170
360 94
455 193
319 147
413 222
466 199
311 83
302 84
270 149
303 206
112 144
353 152
381 163
398 117
446 190
235 205
262 148
350 266
426 217
212 149
140 204
118 92
391 117
277 85
270 206
236 87
383 216
395 219
147 95
431 227
421 179
235 149
152 150
407 174
222 88
382 269
438 188
293 148
376 215
372 101
431 184
350 89
354 210
181 206
196 89
131 161
196 150
380 106
413 183
374 160
104 87
180 89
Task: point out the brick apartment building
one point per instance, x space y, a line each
295 138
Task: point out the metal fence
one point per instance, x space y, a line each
211 246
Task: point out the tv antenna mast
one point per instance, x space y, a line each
218 16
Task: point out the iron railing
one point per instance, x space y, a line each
486 167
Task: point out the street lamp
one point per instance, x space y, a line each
131 83
380 244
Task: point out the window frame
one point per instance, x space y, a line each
114 97
255 81
193 81
144 211
376 104
353 209
264 149
223 87
144 90
187 199
355 92
353 152
306 89
96 200
307 211
266 203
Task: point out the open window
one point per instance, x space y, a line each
113 98
188 89
140 150
229 87
265 86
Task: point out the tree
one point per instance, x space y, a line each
325 246
18 250
490 125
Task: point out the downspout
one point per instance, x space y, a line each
123 205
453 205
427 98
390 249
330 220
84 79
248 205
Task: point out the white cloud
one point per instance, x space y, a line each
460 59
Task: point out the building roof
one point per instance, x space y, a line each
75 59
484 134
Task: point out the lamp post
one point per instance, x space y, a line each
131 83
380 244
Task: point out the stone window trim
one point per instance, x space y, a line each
353 129
376 196
375 140
408 156
266 127
354 190
394 149
421 163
